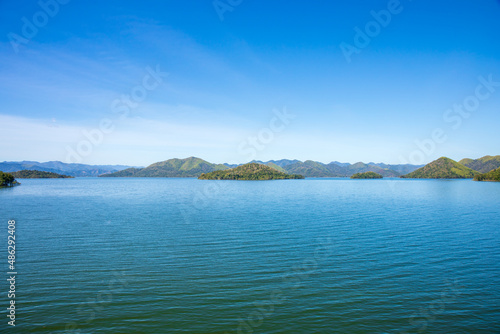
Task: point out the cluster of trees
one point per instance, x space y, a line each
366 175
36 174
251 171
7 180
493 175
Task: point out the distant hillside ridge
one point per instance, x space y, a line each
58 167
311 168
484 164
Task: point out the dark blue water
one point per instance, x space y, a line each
140 255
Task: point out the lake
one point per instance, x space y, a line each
158 255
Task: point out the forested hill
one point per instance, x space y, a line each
442 168
484 164
189 167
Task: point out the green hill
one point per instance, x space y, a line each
37 174
493 175
7 180
366 175
250 171
442 168
484 164
190 167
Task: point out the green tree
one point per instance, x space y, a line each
7 180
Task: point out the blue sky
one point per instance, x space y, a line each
227 79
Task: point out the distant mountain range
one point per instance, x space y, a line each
194 167
60 168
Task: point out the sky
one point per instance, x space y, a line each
136 82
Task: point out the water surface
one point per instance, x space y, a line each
155 255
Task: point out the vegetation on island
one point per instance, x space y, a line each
442 168
37 174
250 171
493 175
189 167
366 175
7 180
484 164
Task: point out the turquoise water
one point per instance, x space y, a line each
148 255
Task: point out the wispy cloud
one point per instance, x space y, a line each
135 141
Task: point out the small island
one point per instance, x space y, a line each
7 180
250 172
37 174
493 175
366 175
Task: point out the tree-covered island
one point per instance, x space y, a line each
366 175
7 180
37 174
251 172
